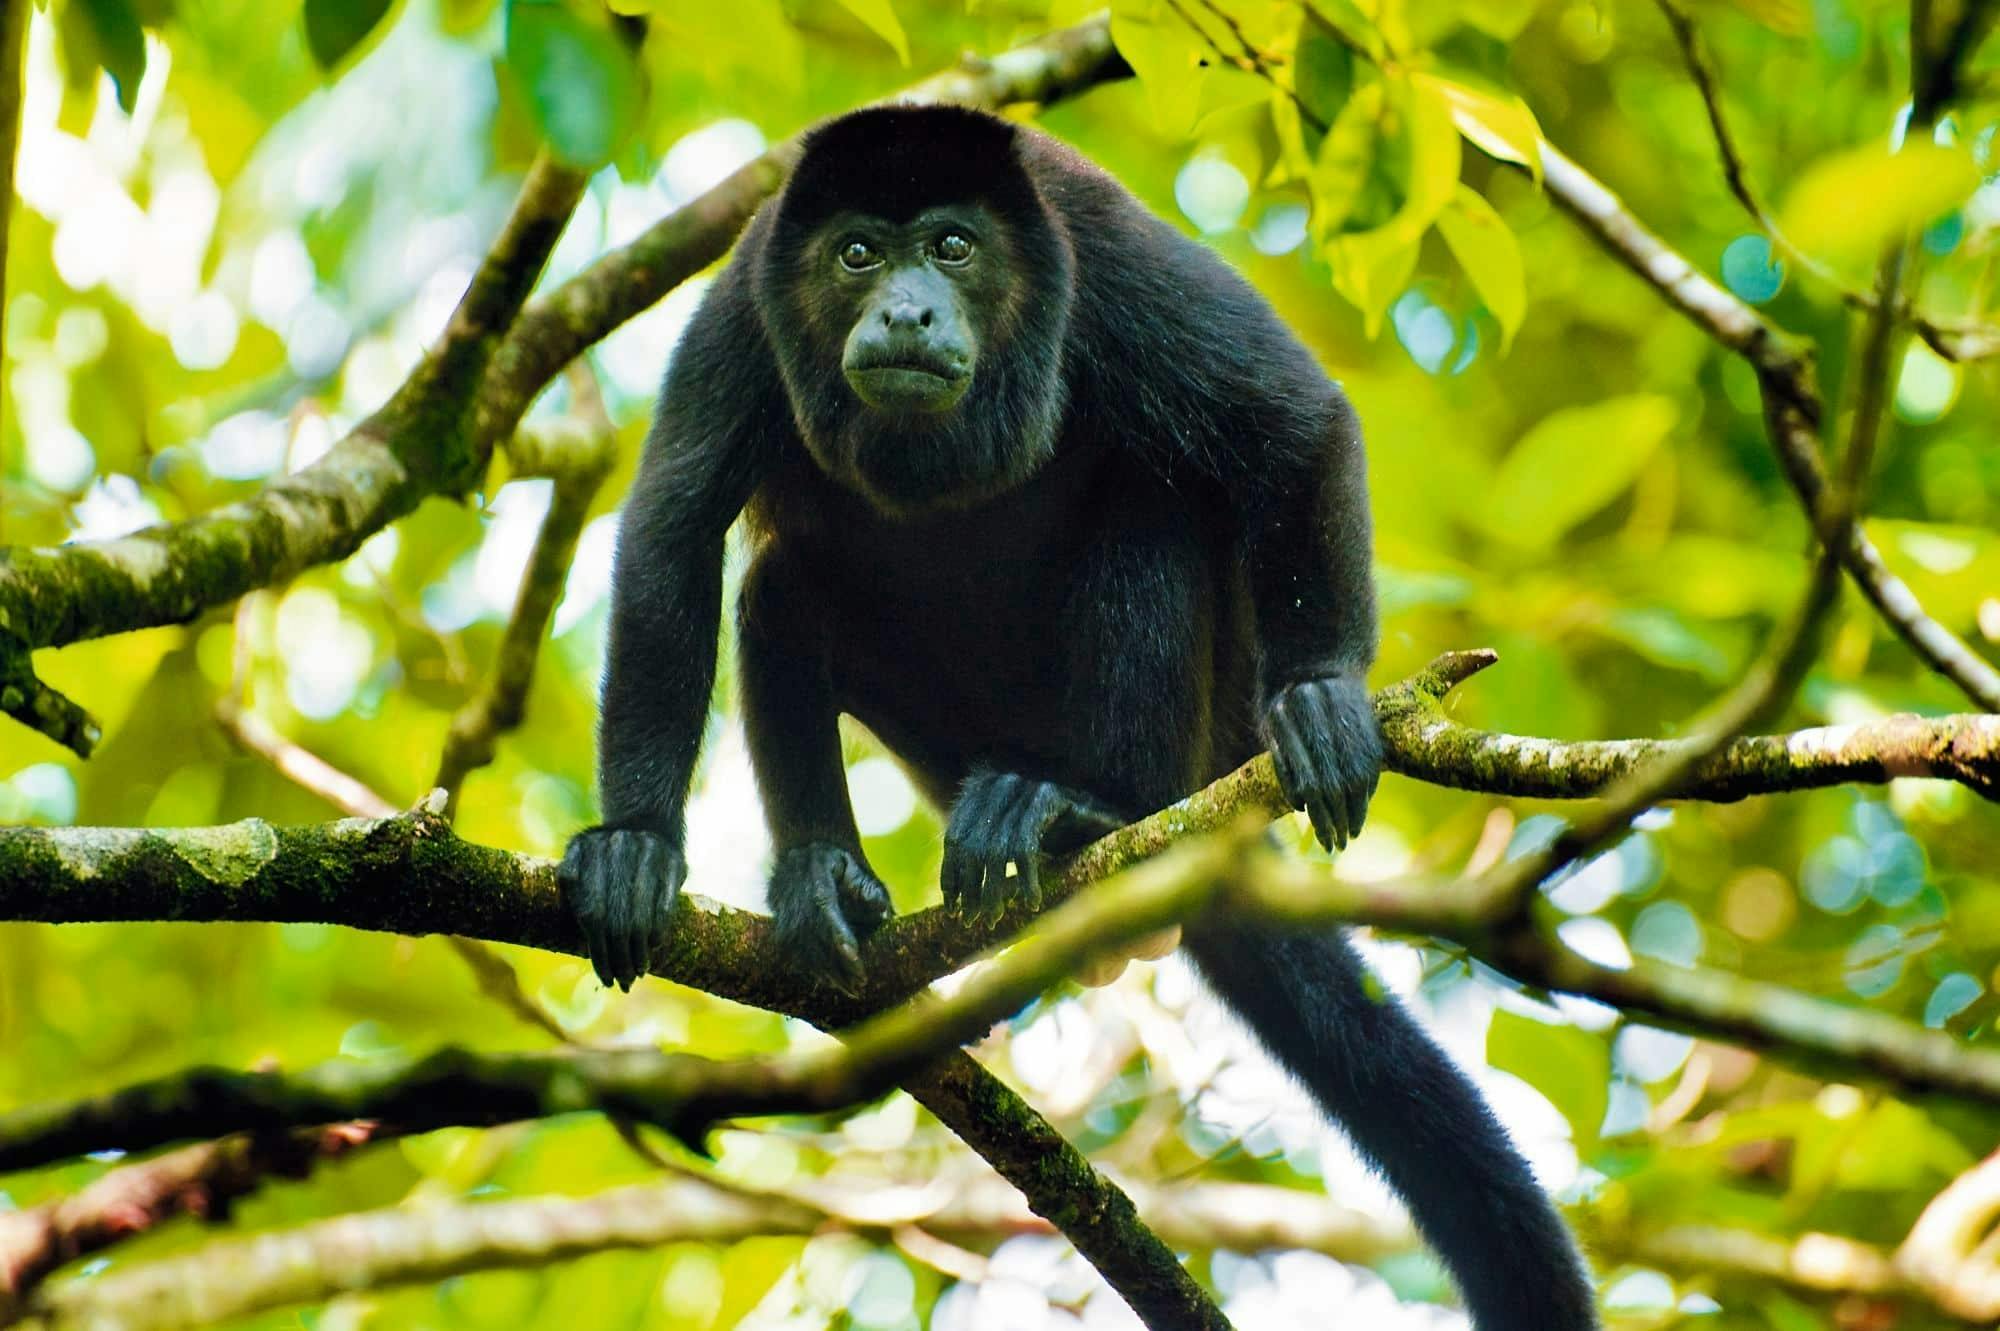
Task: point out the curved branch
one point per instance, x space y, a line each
471 391
411 875
1784 368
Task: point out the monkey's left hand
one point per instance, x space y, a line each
1328 749
1001 817
825 902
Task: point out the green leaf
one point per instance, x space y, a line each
1371 269
118 43
1345 160
1853 203
1497 122
1572 463
1322 68
1500 18
1485 247
1421 155
335 27
882 21
1572 1068
580 81
1167 57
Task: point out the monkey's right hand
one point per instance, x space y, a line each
825 902
621 883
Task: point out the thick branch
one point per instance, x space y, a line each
371 1249
198 1180
415 445
378 1249
681 1092
470 392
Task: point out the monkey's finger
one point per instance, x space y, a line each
1024 839
1285 748
1357 807
864 902
842 949
1323 825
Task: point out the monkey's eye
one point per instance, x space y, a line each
857 256
952 248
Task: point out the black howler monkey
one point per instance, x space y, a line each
1047 497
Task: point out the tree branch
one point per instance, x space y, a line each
1954 340
576 460
231 1279
438 428
1784 368
198 1180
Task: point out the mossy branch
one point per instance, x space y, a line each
411 875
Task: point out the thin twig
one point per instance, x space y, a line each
576 461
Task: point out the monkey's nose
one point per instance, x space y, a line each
906 316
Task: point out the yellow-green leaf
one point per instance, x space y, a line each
1485 248
1346 156
1371 268
1500 18
881 20
1853 203
1434 159
1167 56
1571 464
1570 1067
1497 122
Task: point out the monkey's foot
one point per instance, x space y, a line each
621 884
824 902
1001 818
1328 749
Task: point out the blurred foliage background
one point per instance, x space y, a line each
239 222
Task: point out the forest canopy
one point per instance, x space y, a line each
329 335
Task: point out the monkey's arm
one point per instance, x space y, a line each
706 452
1307 551
824 898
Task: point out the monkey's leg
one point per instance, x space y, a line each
824 898
1136 627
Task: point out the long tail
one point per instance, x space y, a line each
1412 1113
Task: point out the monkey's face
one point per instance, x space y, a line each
909 302
921 345
911 296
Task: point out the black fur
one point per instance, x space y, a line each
1133 554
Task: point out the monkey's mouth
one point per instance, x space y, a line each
909 387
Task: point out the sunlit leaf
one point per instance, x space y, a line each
1571 1068
1853 203
1347 20
1167 56
335 27
1498 123
1346 156
1485 247
1574 462
119 45
1420 154
881 20
1322 68
580 81
1371 268
1793 18
1500 18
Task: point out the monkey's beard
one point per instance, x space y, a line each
909 464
